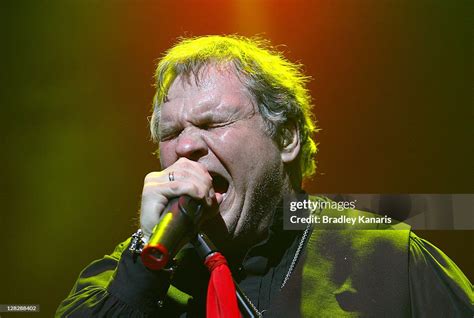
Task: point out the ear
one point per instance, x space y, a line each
290 142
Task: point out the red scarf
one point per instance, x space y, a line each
221 298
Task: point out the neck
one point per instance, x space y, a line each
237 252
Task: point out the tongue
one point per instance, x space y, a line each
219 197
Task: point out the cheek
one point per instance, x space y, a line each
167 153
244 149
230 142
221 137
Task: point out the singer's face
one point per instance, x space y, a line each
215 122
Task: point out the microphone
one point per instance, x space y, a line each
176 228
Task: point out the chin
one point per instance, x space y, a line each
223 229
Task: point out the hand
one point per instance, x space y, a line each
190 178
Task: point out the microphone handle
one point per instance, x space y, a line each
176 228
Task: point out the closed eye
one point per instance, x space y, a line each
212 125
168 134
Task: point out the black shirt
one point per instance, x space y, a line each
121 285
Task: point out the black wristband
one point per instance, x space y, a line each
137 285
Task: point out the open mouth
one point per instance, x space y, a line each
220 184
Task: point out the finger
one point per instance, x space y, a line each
182 171
192 187
156 197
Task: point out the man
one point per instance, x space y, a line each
233 124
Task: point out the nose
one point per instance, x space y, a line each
191 144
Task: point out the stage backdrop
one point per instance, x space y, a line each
392 87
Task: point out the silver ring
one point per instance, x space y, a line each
171 176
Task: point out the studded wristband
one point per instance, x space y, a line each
137 243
